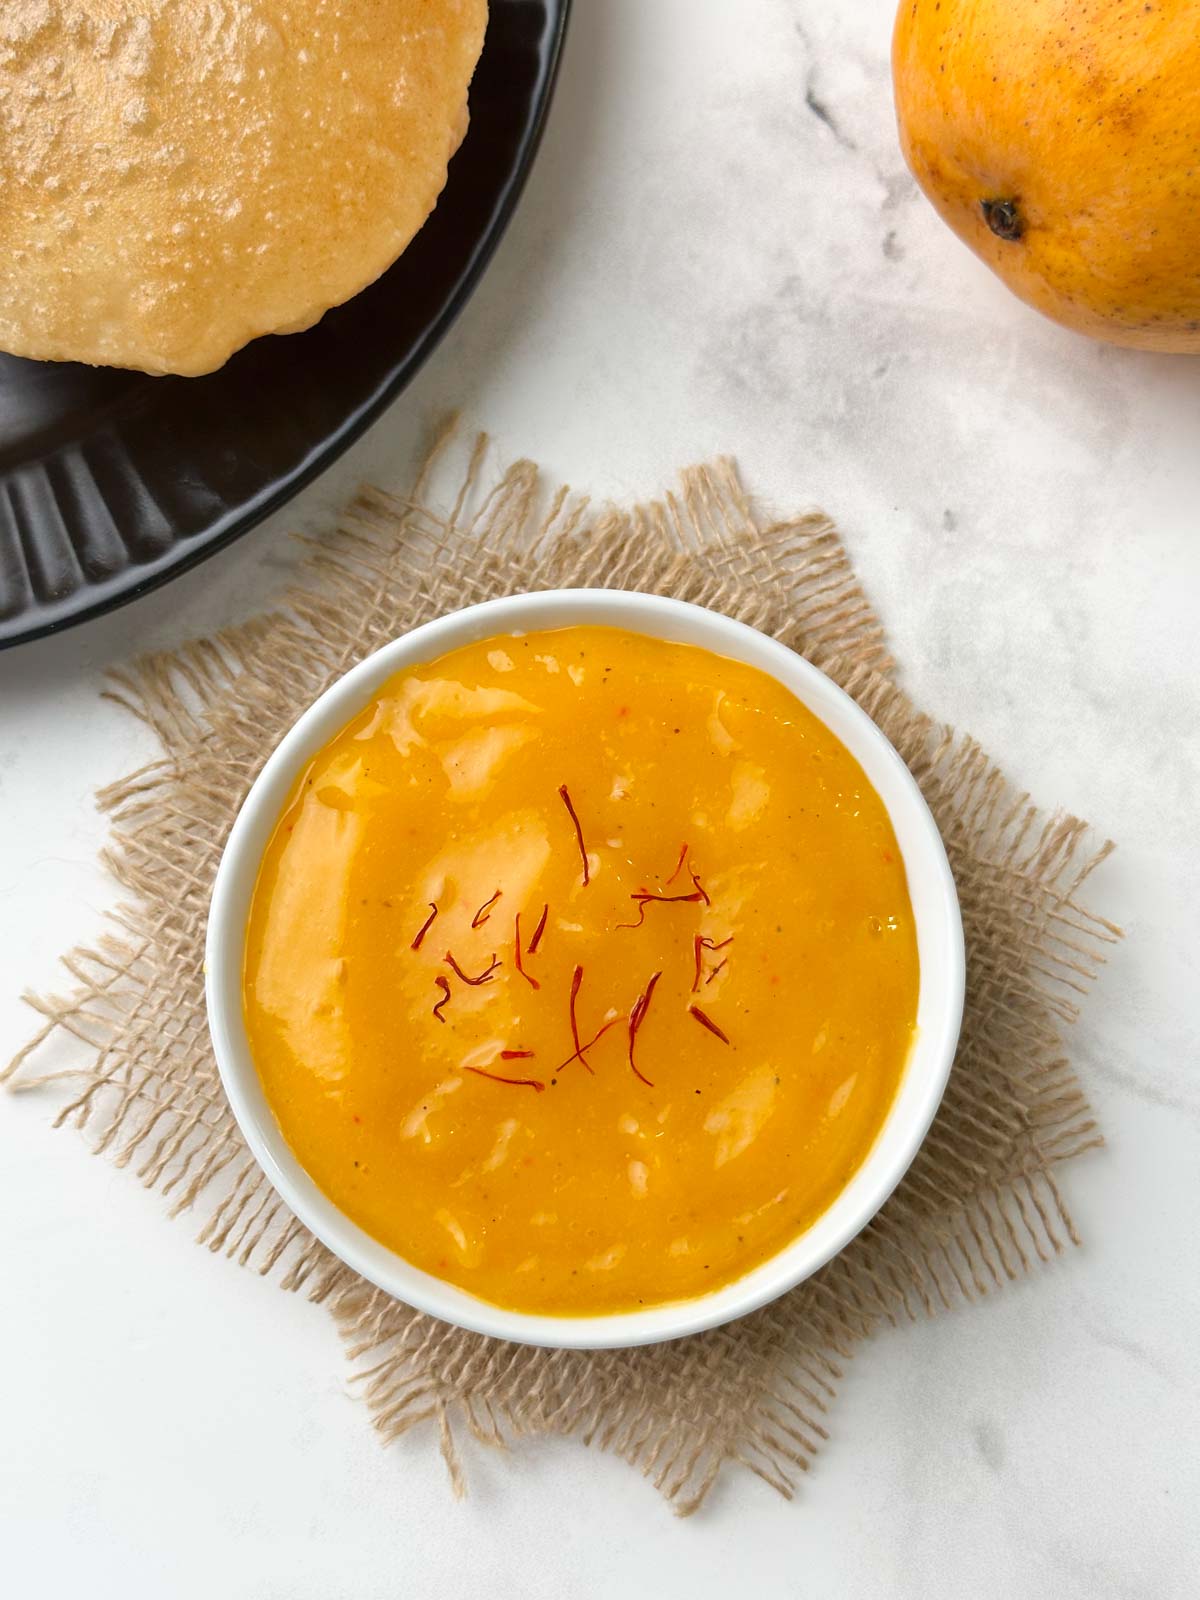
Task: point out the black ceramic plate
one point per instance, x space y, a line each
111 482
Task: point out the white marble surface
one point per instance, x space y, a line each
703 261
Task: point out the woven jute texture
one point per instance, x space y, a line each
981 1204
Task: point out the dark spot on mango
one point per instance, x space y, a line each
1003 218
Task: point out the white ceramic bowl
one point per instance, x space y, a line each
939 940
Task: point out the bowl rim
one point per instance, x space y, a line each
931 887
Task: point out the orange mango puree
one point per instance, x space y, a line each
524 1037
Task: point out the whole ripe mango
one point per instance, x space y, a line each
1061 140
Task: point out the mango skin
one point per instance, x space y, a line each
1074 125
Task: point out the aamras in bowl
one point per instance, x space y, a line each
585 968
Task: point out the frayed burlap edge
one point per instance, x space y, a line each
979 1207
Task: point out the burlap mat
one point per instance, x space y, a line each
980 1205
